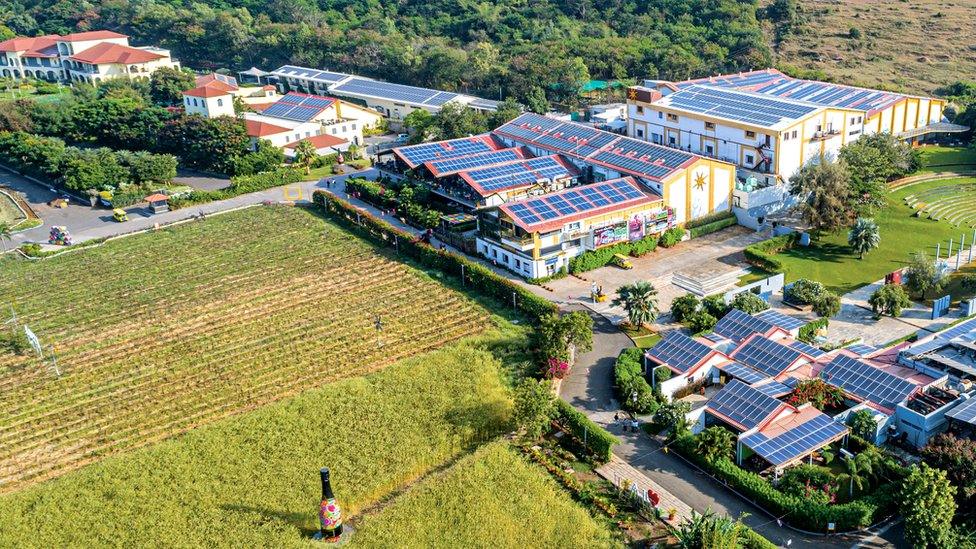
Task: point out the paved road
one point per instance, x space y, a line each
588 388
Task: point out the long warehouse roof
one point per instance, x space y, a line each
754 109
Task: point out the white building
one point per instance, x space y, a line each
214 95
90 57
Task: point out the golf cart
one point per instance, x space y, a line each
622 261
119 215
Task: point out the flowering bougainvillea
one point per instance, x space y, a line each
557 369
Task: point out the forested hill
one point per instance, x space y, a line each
518 46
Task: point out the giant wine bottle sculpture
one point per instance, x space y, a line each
330 516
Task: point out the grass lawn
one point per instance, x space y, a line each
10 212
755 274
942 159
252 480
954 286
642 337
830 260
492 498
164 332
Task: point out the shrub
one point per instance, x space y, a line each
557 369
715 305
804 292
761 254
809 482
533 410
710 219
644 246
628 374
14 341
594 259
672 237
809 330
828 305
701 322
598 440
683 307
31 249
662 373
712 227
749 303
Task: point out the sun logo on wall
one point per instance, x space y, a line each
632 93
700 181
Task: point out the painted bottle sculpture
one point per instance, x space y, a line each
330 516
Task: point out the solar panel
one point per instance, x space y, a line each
416 155
766 355
806 349
861 349
774 389
866 382
743 372
965 411
744 406
739 106
520 173
958 330
797 442
737 325
780 320
394 92
325 77
679 351
441 168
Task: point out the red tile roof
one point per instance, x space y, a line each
320 141
226 81
256 128
213 89
157 197
91 35
115 53
260 106
35 44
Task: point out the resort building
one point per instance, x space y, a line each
536 184
89 57
769 125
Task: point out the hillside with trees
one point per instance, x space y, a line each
527 50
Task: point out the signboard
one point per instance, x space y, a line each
635 229
35 343
609 234
658 221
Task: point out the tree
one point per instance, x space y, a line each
265 157
672 416
827 306
923 275
701 322
957 457
872 161
715 443
749 303
209 143
825 192
715 305
817 392
860 469
556 333
145 167
166 85
805 291
639 300
863 236
534 407
6 233
684 306
927 504
305 154
889 299
709 531
863 425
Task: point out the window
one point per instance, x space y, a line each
187 101
656 138
518 264
749 159
308 134
298 136
220 102
794 134
574 226
660 115
353 127
505 258
819 128
194 101
750 135
786 136
494 252
334 130
709 125
709 149
672 117
640 109
640 132
671 140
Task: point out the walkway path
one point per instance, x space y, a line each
619 472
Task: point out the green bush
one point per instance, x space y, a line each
672 237
710 219
594 259
31 249
798 512
662 373
701 322
761 254
239 185
808 331
644 246
598 440
749 303
712 227
410 201
805 292
477 277
628 374
684 307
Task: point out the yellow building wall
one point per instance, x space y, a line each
704 187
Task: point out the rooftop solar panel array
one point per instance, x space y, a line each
737 325
965 411
766 355
744 405
449 166
627 156
743 372
866 381
963 328
573 202
737 106
861 349
774 389
298 107
797 442
806 349
394 92
520 173
325 77
780 320
679 351
416 155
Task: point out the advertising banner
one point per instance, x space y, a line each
609 234
635 229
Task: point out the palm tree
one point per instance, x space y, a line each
639 300
710 531
864 236
6 232
714 443
859 469
305 154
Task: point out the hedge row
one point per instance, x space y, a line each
761 254
594 259
628 376
798 512
405 201
477 276
710 219
598 440
712 227
243 184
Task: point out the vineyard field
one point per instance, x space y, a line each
160 333
491 498
252 480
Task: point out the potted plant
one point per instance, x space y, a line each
672 512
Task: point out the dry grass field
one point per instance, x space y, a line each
914 46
